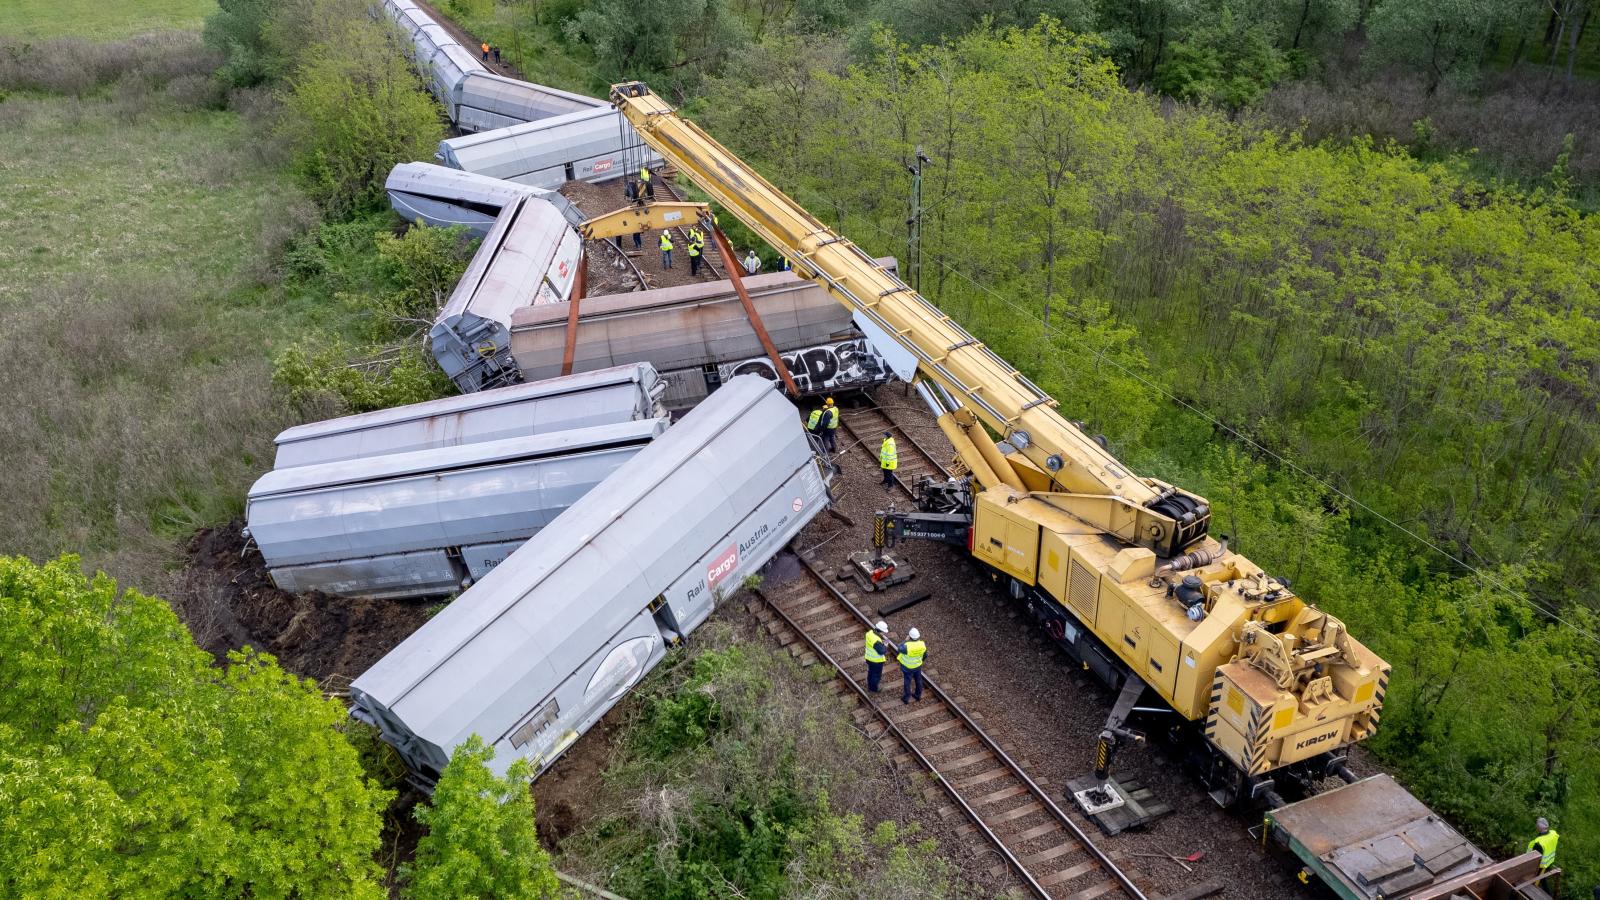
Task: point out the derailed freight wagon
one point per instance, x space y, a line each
698 336
602 397
592 145
485 101
531 256
443 197
430 521
534 654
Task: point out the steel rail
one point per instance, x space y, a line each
1115 872
883 716
666 185
912 442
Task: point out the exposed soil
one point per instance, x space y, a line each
604 277
984 650
230 602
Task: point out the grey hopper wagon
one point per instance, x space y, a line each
695 334
602 397
590 145
435 52
531 656
441 197
485 101
428 521
530 257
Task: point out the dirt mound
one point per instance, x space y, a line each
229 601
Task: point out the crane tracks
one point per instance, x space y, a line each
1041 845
867 423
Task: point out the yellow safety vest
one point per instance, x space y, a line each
830 418
694 248
888 458
666 242
875 647
816 416
644 174
1546 845
911 656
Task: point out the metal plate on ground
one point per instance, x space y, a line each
1137 807
1098 799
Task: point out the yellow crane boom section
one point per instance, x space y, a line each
1001 397
1276 681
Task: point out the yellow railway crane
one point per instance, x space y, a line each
1118 567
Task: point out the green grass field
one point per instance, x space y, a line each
137 323
99 20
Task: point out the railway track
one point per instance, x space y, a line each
1039 844
867 424
664 181
632 267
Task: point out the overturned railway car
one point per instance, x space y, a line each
530 257
590 145
429 521
485 101
601 397
536 652
443 197
698 336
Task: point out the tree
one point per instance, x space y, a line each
1230 61
1443 39
354 109
481 840
129 765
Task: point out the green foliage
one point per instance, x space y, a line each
393 286
667 42
1231 61
1445 39
1393 326
128 765
837 855
720 786
481 840
354 109
424 265
239 29
312 375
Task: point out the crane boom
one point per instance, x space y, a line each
1062 459
1273 686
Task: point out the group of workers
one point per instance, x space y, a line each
909 655
824 423
486 50
644 189
697 246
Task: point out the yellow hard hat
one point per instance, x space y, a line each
828 402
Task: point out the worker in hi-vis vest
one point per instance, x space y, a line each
695 246
911 666
1545 843
666 250
644 180
888 459
876 656
830 425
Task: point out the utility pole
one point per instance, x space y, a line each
914 224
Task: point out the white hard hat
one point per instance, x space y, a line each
882 625
1543 824
914 634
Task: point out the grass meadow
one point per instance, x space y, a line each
138 306
99 20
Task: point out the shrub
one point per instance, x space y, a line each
354 110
